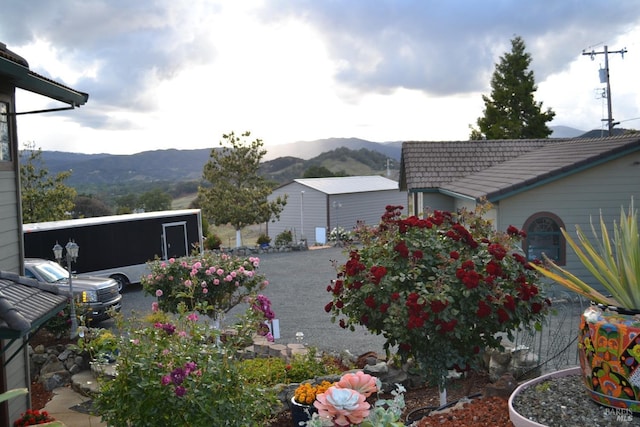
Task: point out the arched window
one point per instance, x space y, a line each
544 236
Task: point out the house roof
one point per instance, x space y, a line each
426 164
25 304
546 164
15 70
349 184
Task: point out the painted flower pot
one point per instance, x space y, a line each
517 419
300 412
609 352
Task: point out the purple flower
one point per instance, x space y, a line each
166 380
177 376
180 391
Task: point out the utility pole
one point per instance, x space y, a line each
606 53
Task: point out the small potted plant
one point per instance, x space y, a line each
35 417
263 241
302 401
609 329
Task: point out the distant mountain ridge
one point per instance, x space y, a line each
174 165
281 163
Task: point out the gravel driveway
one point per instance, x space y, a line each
298 293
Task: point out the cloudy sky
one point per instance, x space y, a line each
178 74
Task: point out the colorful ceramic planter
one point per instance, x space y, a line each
609 351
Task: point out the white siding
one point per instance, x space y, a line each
16 372
317 210
10 236
578 198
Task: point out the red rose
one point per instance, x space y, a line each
484 309
503 316
370 301
437 306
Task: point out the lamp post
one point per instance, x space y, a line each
71 255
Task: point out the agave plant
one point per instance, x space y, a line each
615 263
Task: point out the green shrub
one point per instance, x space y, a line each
266 371
175 374
263 239
212 241
284 238
306 366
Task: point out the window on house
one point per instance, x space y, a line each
544 236
5 146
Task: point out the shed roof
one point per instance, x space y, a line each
15 70
427 164
546 164
349 184
25 304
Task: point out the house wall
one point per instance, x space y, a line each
430 201
319 210
306 211
367 207
578 198
16 374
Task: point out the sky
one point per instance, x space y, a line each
179 74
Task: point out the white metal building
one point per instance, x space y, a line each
317 205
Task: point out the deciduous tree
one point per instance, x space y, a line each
237 194
511 112
44 198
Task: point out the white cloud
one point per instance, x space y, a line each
163 74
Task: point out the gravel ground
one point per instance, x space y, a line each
563 402
298 292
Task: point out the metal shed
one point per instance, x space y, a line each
317 205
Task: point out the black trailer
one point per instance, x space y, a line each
119 246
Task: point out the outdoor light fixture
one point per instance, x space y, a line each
72 254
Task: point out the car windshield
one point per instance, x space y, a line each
51 272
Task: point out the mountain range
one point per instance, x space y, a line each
281 163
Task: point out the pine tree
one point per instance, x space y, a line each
511 112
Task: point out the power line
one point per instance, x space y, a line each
606 53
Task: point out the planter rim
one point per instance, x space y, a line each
520 421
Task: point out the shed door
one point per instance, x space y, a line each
174 236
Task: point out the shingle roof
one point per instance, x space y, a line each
426 164
545 164
349 184
25 304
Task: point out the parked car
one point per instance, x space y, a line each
98 294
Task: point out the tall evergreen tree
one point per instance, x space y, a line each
238 194
511 112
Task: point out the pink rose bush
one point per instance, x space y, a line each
441 289
209 283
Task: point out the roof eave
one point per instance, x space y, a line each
26 79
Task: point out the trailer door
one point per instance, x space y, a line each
174 237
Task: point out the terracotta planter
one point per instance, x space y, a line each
517 419
300 412
609 350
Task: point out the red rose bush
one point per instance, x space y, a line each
441 289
